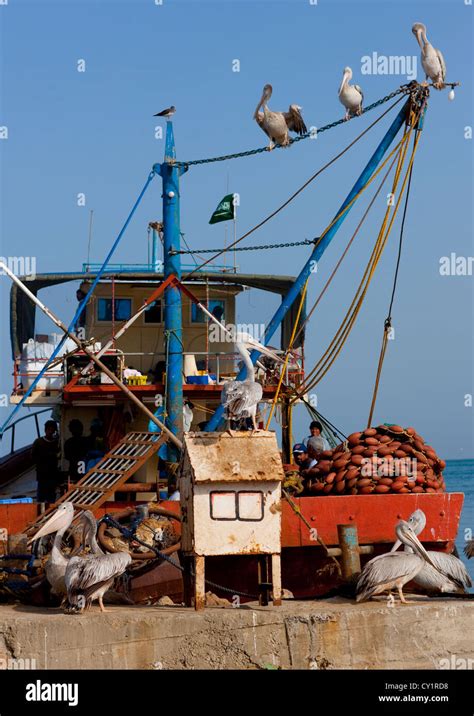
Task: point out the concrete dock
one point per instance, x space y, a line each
330 634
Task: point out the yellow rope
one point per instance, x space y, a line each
338 341
292 338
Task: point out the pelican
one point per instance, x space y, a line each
394 569
469 549
277 124
449 575
85 578
55 567
351 96
431 59
240 398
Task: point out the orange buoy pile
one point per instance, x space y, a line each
385 459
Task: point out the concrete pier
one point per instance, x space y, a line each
329 634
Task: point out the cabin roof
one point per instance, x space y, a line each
22 310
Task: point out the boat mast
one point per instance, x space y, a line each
170 172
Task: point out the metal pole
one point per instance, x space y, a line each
350 556
318 250
154 248
170 173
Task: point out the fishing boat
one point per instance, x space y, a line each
142 350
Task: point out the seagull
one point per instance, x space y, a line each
351 96
431 59
277 124
166 113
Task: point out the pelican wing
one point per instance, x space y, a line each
238 397
359 89
383 570
294 120
442 64
452 569
82 573
469 549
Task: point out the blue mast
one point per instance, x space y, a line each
318 250
170 172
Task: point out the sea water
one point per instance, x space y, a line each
459 477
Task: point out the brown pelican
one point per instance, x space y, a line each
449 575
277 124
240 398
166 113
351 96
394 569
431 59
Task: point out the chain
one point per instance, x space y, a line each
305 242
131 535
251 152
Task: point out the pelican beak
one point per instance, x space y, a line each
55 523
344 80
252 344
419 549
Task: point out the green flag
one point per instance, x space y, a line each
224 211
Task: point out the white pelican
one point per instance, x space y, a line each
351 96
55 567
450 574
86 578
431 59
394 569
277 124
240 398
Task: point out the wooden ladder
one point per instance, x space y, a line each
107 476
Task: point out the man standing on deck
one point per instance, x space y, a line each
45 455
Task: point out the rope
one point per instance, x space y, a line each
131 535
292 338
251 152
81 306
388 320
297 192
344 330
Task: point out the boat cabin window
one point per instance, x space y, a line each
216 307
153 313
122 309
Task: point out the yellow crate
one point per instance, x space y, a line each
136 380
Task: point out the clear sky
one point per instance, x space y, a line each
93 132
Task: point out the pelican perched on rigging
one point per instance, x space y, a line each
277 124
431 59
394 569
469 549
240 398
85 578
449 575
351 96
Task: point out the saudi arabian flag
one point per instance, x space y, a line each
224 211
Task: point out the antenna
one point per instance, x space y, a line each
91 216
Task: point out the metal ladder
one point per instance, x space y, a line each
107 476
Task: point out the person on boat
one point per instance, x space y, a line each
45 453
316 440
96 447
302 458
75 450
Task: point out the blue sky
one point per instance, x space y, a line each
93 132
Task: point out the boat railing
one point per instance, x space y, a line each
12 426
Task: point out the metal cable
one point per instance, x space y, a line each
298 191
289 244
251 152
